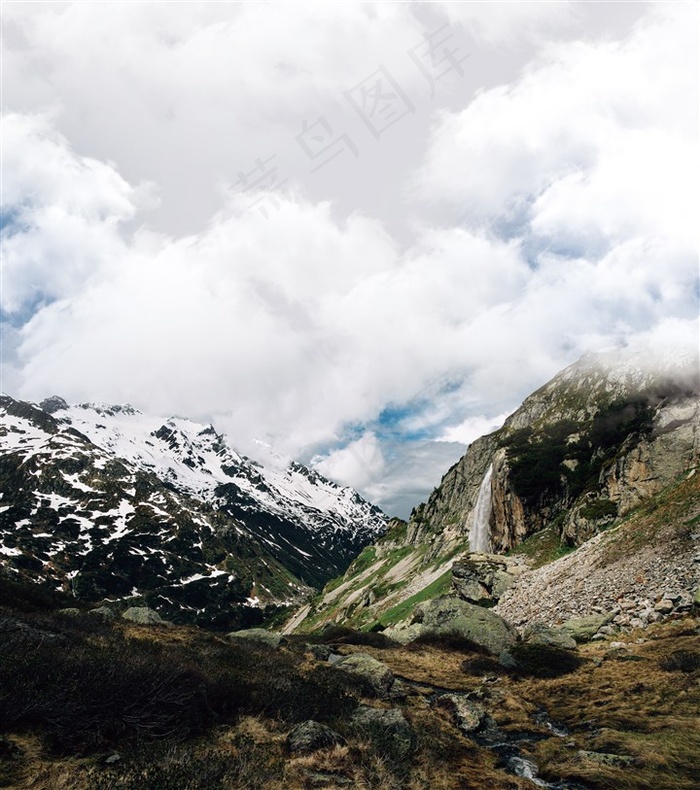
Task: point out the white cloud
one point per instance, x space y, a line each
63 212
507 23
472 428
568 200
601 135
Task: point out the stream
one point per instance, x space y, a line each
509 745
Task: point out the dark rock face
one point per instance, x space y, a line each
53 404
310 736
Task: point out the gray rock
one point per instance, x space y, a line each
449 616
481 578
468 715
378 675
104 611
310 736
403 633
70 610
583 629
143 616
507 660
538 633
257 635
387 728
664 606
319 652
602 758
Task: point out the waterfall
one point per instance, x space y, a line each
480 532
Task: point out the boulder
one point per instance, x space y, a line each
481 578
449 616
583 629
610 760
142 615
386 728
468 715
403 633
540 634
71 611
664 606
377 675
104 611
319 652
257 635
310 736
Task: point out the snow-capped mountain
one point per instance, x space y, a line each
114 502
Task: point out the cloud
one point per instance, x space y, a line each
396 476
562 208
501 24
63 212
599 136
472 428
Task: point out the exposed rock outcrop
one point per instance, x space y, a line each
310 736
377 675
483 578
584 451
452 617
599 438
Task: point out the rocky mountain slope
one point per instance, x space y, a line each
610 434
109 502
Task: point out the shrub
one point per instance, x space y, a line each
85 695
681 661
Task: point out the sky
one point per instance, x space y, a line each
354 234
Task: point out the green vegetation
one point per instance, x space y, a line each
544 546
367 556
667 517
88 683
599 509
184 708
536 455
399 612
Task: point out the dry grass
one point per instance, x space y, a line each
623 702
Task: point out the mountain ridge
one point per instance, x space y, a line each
112 470
601 438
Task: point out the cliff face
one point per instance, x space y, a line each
604 435
590 445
